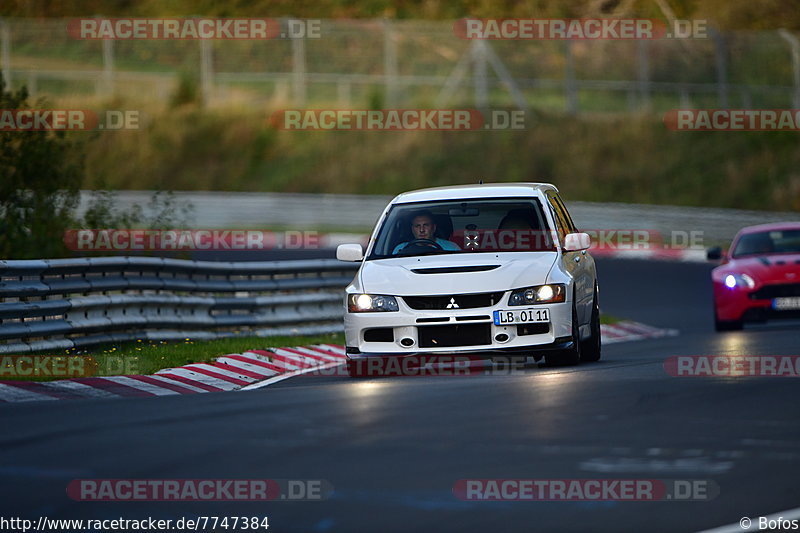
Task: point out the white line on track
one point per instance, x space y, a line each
291 374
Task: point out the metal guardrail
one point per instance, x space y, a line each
71 303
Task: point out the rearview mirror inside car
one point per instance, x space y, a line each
463 212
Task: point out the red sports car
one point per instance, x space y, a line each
759 278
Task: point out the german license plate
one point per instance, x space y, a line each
785 304
521 316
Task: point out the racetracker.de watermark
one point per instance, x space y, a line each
165 490
68 120
733 366
732 119
172 28
579 29
63 366
398 119
66 366
605 240
193 28
634 490
123 240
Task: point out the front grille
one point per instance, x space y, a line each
452 336
768 292
463 301
762 314
433 319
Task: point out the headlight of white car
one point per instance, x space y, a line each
540 294
368 303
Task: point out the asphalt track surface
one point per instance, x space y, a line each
393 448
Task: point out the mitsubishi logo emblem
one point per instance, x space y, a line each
452 304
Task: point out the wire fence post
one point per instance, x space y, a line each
570 90
686 101
643 56
344 93
5 51
505 76
479 75
389 64
794 44
206 70
108 68
299 71
32 85
722 68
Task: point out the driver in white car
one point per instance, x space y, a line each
423 227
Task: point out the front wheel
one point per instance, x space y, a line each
570 356
590 351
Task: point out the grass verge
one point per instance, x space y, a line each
147 357
609 319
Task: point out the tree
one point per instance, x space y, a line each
40 176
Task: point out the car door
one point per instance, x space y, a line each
579 264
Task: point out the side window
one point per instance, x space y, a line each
563 226
567 217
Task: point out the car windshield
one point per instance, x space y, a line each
768 242
463 226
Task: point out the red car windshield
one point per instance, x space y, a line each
768 242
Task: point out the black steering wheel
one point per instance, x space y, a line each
419 245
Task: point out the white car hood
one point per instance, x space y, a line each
394 276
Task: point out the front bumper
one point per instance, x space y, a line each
409 332
744 304
536 350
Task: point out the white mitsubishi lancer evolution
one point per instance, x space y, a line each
491 270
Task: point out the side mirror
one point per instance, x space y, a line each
714 253
349 252
575 242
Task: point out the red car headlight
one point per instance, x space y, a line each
739 280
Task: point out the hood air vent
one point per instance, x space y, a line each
454 270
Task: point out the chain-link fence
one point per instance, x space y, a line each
386 64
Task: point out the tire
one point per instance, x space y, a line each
592 347
570 356
726 325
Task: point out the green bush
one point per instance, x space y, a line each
40 173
